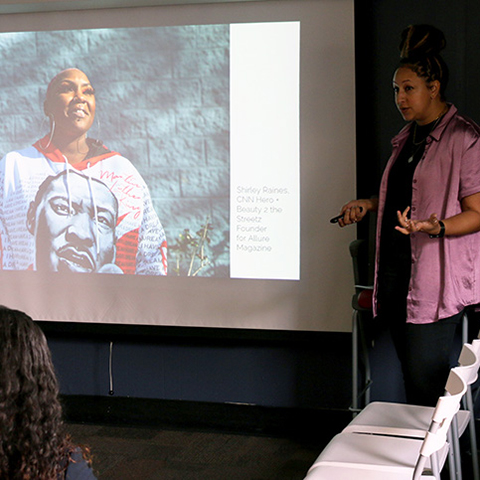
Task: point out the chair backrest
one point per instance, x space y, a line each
363 249
362 300
469 362
447 406
476 346
360 261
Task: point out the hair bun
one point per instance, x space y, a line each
421 40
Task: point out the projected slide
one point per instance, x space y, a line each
184 162
265 197
178 165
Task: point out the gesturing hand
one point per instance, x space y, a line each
408 226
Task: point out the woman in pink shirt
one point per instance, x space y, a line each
428 249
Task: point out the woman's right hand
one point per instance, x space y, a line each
355 210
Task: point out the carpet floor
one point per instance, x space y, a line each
131 453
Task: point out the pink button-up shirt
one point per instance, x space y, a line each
445 272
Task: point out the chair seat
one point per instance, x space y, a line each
364 452
363 300
332 472
395 456
385 418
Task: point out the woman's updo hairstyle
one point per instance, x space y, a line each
420 49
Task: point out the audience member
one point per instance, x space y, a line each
33 442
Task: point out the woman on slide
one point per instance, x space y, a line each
141 246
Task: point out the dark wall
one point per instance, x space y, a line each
267 369
311 371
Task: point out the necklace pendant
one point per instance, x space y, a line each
410 160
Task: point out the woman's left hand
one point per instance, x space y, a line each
408 226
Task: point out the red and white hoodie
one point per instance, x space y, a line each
141 246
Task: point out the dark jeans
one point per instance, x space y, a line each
424 350
425 353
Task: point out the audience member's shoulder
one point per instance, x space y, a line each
78 468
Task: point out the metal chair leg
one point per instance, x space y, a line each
359 344
366 364
355 361
469 405
465 328
455 449
473 435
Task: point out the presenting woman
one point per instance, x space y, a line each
428 248
70 106
33 440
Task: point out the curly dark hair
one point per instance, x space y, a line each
420 48
33 442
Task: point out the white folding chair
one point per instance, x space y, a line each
375 457
384 418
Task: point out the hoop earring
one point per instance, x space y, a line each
52 131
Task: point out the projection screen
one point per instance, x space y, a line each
221 139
